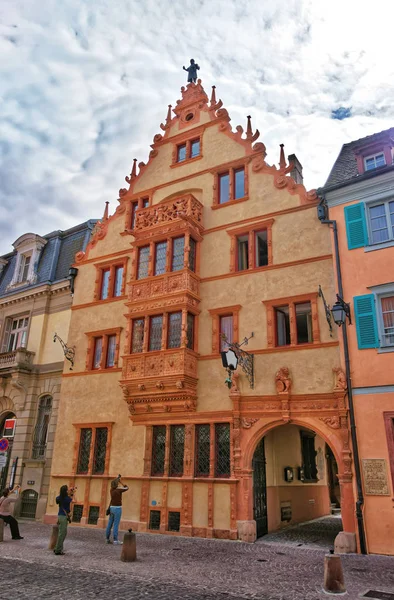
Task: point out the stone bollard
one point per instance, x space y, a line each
1 530
129 548
334 582
53 540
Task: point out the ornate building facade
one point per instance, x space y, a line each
208 244
35 303
360 201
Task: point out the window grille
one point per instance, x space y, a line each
154 519
105 284
143 262
190 331
174 521
77 513
93 517
156 329
111 351
178 246
158 449
98 348
137 343
160 258
203 446
41 429
118 281
100 449
222 438
192 254
174 330
177 449
84 450
29 504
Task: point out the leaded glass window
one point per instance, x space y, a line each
177 449
100 449
84 450
190 331
41 429
160 258
203 445
105 284
158 449
174 521
222 450
154 519
192 254
111 351
118 281
143 262
77 513
178 246
137 342
98 349
174 330
156 329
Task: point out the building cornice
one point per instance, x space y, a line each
35 292
363 189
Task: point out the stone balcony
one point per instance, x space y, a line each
19 359
162 381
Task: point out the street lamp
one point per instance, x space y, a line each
229 362
340 311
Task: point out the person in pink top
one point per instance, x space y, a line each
8 497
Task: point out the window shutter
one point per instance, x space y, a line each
367 333
6 334
356 227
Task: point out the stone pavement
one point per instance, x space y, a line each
173 567
320 533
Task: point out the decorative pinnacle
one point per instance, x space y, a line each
134 169
282 160
213 95
168 119
105 215
249 133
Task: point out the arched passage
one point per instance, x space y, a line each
295 472
5 416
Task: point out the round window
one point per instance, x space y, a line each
189 117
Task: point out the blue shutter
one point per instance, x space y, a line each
356 227
367 332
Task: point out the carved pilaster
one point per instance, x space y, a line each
210 510
148 450
187 509
144 502
188 463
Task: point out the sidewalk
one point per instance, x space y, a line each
195 567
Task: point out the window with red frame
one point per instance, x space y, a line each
143 262
137 338
231 185
112 284
226 327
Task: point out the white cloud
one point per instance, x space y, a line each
84 86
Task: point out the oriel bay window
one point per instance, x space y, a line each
93 455
165 332
111 280
293 321
103 349
135 206
169 255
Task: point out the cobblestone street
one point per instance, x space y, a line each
175 567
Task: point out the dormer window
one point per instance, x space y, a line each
374 161
28 248
24 268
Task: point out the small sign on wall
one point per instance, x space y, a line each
375 477
31 482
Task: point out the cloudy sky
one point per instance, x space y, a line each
84 85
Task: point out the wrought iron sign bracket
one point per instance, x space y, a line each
245 359
327 310
68 351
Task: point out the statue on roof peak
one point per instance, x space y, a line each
192 71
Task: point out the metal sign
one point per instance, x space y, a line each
3 444
3 460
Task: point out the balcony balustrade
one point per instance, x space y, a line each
18 359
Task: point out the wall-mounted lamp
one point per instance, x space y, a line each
340 311
72 273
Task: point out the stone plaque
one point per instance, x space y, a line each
375 477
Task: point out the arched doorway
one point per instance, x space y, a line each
29 504
295 480
6 432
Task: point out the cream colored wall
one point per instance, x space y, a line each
200 505
112 242
174 494
59 323
221 506
131 500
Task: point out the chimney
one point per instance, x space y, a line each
296 172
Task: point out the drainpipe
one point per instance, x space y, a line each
322 214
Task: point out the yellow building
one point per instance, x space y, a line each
208 239
35 303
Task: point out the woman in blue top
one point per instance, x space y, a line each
64 501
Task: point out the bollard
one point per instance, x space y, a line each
333 575
1 530
53 540
129 548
